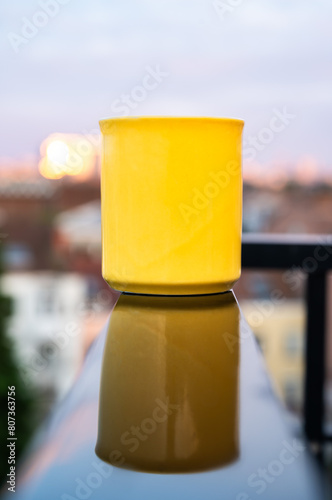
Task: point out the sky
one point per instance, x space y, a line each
68 63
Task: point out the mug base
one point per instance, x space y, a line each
172 288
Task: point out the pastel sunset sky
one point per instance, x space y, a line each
243 59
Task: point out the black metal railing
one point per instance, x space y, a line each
313 256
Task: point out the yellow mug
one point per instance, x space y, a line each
171 195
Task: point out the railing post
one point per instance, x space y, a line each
315 356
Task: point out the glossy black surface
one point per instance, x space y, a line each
269 461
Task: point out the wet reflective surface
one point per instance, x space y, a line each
169 384
254 452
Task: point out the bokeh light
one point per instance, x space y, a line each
67 155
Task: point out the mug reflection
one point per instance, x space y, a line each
169 384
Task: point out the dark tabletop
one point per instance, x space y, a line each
176 348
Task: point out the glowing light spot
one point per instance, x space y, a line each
67 155
57 152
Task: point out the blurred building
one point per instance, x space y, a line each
25 219
47 326
279 329
286 210
77 239
27 212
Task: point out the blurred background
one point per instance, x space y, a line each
67 64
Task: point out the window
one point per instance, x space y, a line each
293 344
261 343
292 390
46 300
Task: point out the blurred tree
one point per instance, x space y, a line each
24 397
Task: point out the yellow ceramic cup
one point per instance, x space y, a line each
171 191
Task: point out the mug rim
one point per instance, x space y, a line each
108 121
